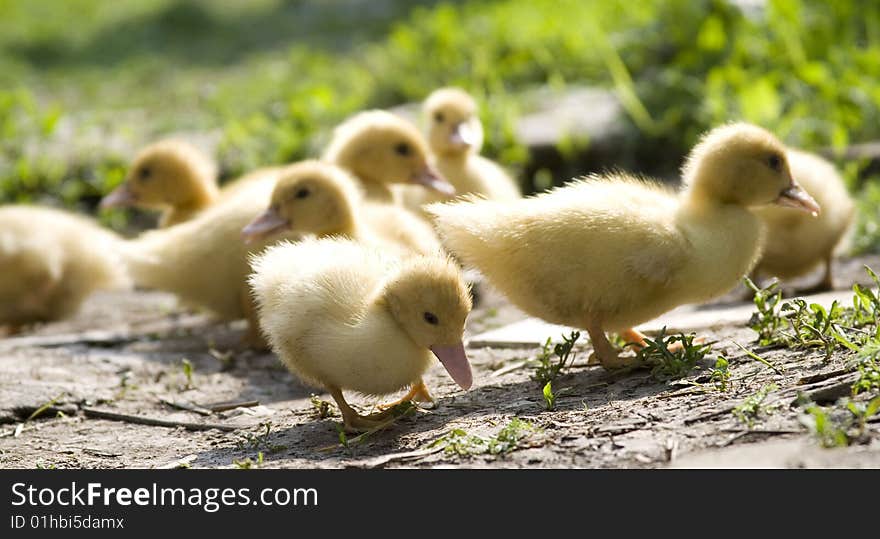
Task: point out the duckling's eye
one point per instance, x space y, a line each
302 192
431 318
438 117
402 149
775 162
145 173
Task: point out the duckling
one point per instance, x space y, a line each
50 261
455 136
380 148
356 318
171 175
203 261
796 243
609 252
315 197
177 178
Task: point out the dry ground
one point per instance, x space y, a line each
124 354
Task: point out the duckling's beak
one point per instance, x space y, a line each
794 196
269 222
455 360
462 136
122 196
432 179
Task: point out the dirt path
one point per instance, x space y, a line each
124 354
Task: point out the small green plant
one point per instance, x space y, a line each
549 397
248 464
554 359
719 376
459 442
766 320
321 408
187 373
672 356
255 441
839 429
753 407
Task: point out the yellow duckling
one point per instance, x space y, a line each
314 197
170 175
609 252
204 261
356 318
796 243
50 261
177 178
380 148
455 136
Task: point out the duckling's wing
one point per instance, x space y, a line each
662 253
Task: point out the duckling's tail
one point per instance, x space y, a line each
464 227
143 259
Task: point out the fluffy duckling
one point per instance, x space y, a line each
796 243
50 261
314 197
609 252
204 261
170 175
455 136
356 318
380 148
177 178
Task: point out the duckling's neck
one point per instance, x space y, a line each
348 227
726 240
376 190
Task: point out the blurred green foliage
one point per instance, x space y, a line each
83 83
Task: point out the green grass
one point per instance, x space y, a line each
461 443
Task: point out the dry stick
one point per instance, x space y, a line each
183 405
378 462
113 416
230 405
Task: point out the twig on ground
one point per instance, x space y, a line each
113 416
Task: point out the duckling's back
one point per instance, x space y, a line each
51 261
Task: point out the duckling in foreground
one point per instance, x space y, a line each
380 148
314 197
343 315
177 178
204 261
609 252
455 136
50 261
796 243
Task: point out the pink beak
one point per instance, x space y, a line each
794 196
455 360
119 197
268 222
462 136
433 180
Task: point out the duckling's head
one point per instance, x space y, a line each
378 146
310 197
453 124
746 165
169 173
431 302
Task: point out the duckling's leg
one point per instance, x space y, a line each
417 393
253 338
825 284
351 420
603 350
634 338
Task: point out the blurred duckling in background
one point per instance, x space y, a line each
314 197
796 243
455 136
346 316
177 178
172 176
609 252
50 261
380 149
204 261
